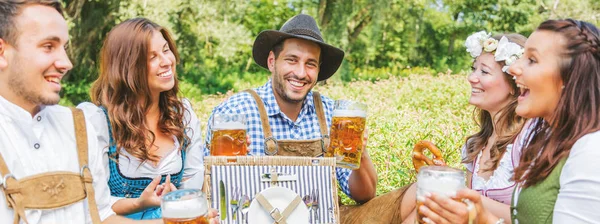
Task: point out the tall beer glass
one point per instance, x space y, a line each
187 206
228 135
347 130
441 180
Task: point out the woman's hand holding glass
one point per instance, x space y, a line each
439 209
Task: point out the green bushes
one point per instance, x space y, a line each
401 111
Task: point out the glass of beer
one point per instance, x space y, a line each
347 130
187 206
441 180
228 135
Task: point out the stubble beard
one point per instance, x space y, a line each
279 84
21 88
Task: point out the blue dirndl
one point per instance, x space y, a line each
132 187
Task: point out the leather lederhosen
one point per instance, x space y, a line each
310 148
55 189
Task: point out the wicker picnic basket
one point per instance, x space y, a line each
244 172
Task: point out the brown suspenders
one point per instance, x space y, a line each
53 189
82 152
272 145
321 116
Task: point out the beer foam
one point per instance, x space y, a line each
232 125
183 209
349 113
447 186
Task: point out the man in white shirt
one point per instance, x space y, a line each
36 135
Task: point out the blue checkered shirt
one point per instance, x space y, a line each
305 127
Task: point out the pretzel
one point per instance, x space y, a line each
419 159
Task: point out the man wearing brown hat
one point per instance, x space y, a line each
285 111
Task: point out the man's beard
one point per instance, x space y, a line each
18 85
279 84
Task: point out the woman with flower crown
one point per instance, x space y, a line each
557 176
489 155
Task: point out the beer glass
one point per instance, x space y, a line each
228 135
441 180
347 130
187 206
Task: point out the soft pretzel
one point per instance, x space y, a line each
419 159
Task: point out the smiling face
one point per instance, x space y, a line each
32 68
537 74
295 70
161 65
490 89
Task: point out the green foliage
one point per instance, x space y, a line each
402 111
381 38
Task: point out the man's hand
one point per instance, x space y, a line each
363 181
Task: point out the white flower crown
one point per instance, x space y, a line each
506 51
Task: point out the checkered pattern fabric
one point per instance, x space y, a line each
129 187
305 127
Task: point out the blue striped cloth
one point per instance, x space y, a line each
305 127
247 179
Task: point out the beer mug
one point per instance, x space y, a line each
187 206
228 135
441 180
347 130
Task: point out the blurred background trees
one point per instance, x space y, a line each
382 38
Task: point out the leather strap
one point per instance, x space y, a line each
322 122
271 146
288 210
12 199
278 216
14 196
270 141
82 152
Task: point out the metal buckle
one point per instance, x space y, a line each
280 215
83 168
267 151
6 178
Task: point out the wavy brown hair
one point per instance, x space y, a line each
508 124
122 88
578 109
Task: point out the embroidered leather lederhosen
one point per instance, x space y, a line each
53 189
311 148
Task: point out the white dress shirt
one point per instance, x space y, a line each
46 143
193 172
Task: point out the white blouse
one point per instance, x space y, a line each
170 163
501 176
579 194
46 143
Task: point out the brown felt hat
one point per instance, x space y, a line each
304 27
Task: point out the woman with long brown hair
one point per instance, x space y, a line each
489 155
558 179
152 137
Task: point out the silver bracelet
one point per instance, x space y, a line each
500 221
